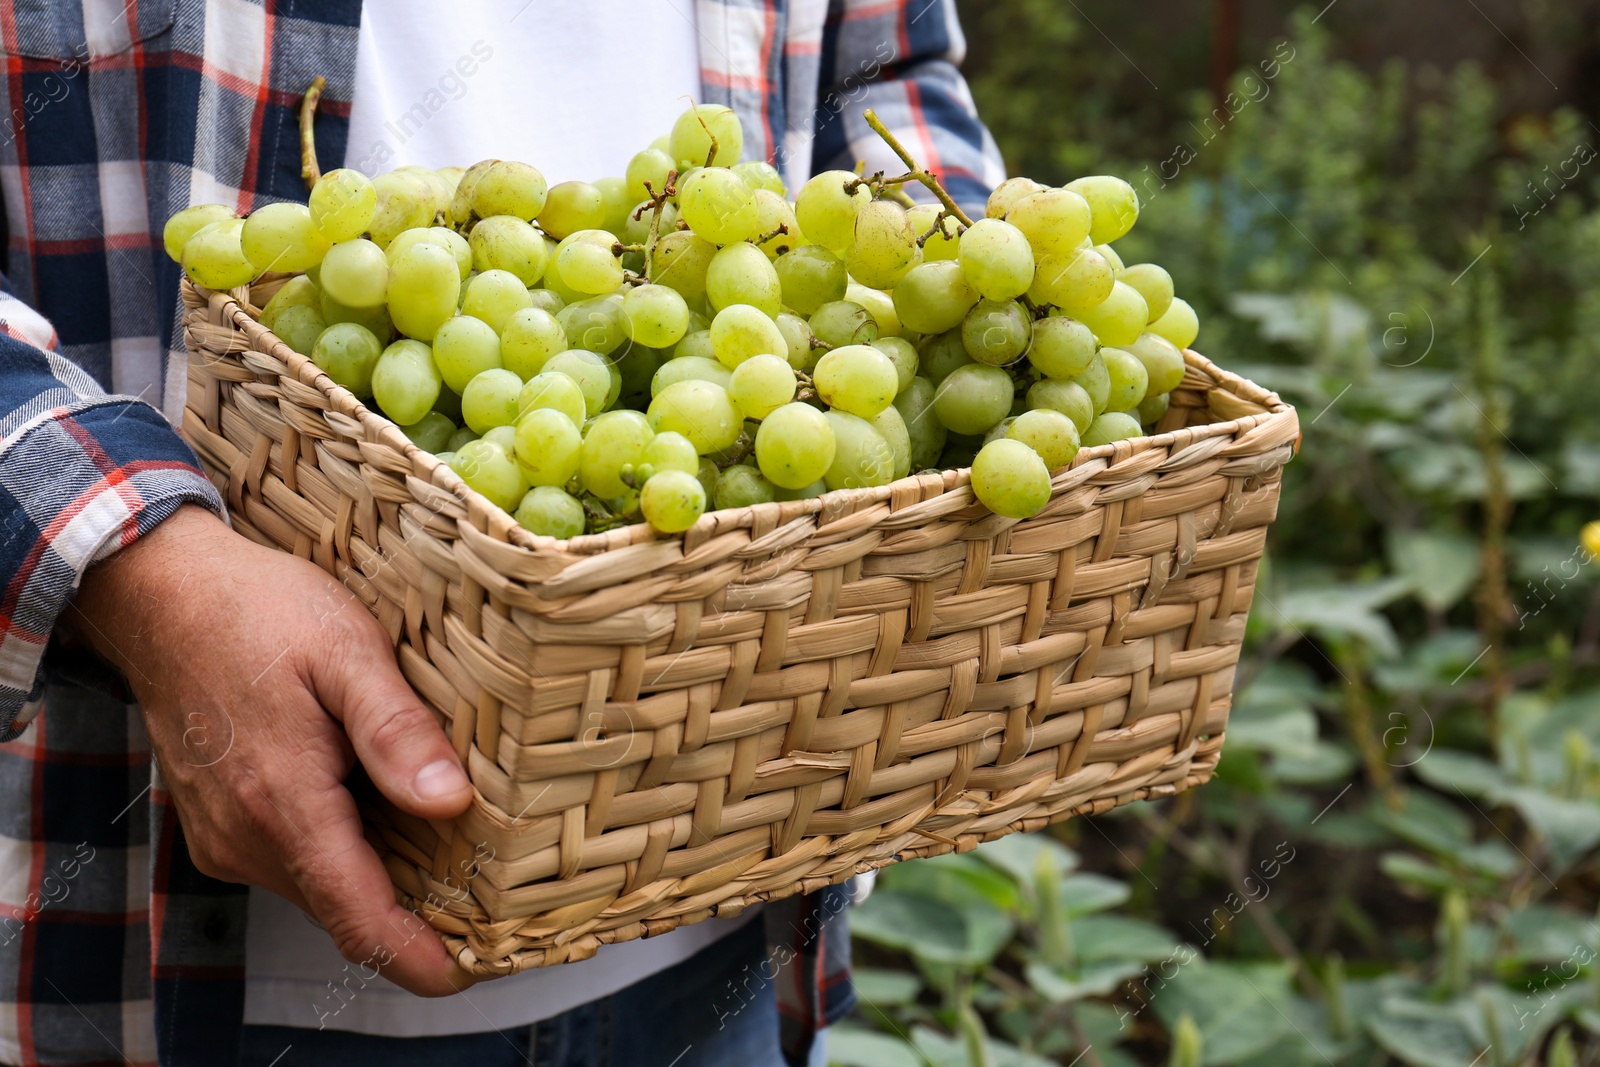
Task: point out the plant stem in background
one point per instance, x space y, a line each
1494 603
1358 709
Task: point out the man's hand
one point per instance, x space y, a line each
262 679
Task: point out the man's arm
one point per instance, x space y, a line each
901 61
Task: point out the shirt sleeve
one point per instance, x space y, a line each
902 61
82 473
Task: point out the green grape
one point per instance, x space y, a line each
490 470
1062 347
892 427
405 383
1010 479
348 353
463 348
214 258
655 315
646 173
1180 324
696 343
1129 380
934 297
1153 283
797 334
857 379
299 327
1074 281
614 197
594 324
547 300
1111 257
614 443
701 411
528 339
1096 381
355 273
741 274
671 452
509 188
672 501
805 492
424 288
460 209
637 365
431 433
885 245
942 353
494 296
444 238
1120 318
342 204
708 475
903 354
435 193
505 242
449 403
878 304
681 261
281 237
296 292
741 487
997 332
937 244
1054 221
689 368
973 398
827 212
996 259
719 206
375 318
188 222
1111 426
461 437
761 385
844 322
570 207
693 131
1008 193
404 202
1153 407
862 458
590 371
550 512
1048 432
759 174
1112 201
490 399
556 391
504 437
927 434
740 331
811 276
451 176
1162 362
794 446
1069 398
589 269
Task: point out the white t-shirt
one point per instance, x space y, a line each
574 87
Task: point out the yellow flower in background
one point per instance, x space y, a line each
1590 539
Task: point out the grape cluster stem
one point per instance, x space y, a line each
916 171
309 170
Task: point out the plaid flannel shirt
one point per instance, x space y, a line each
113 948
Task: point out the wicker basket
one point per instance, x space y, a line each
663 729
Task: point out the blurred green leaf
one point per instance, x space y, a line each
1233 1004
1426 819
1451 771
1545 933
930 929
942 1051
853 1046
1018 855
1349 610
885 988
1440 566
1114 937
1569 827
954 879
1424 1034
1092 980
1086 892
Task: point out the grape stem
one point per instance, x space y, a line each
916 172
659 203
309 170
783 228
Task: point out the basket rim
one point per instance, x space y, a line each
491 519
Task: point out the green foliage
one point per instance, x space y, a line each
1397 861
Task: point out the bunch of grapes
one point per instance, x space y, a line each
685 335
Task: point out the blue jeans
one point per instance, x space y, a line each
681 1017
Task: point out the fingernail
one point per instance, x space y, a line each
438 779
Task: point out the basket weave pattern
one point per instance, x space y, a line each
663 729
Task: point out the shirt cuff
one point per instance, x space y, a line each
77 483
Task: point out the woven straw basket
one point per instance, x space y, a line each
664 729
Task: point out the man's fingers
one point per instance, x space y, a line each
346 887
397 740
